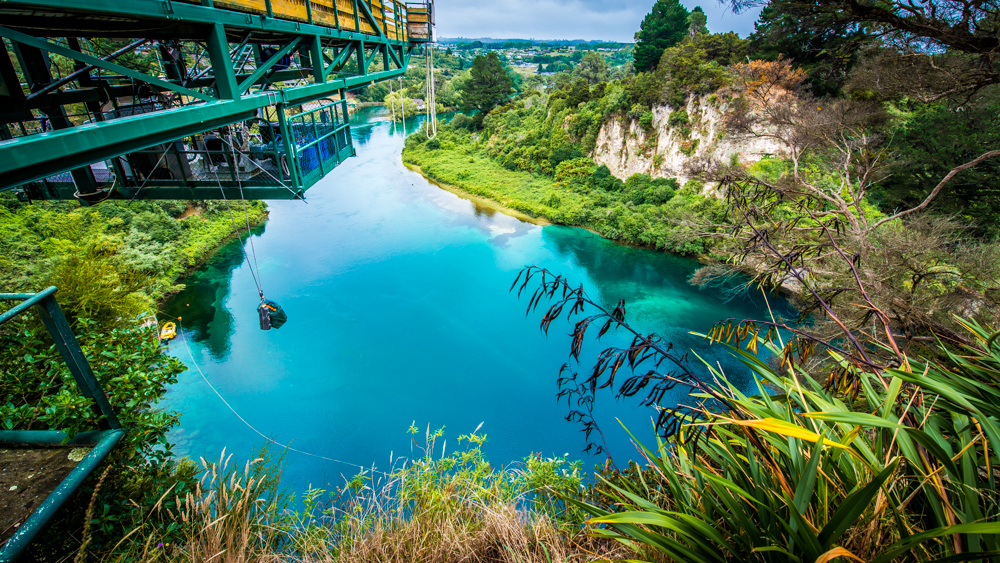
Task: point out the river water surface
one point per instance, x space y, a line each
399 312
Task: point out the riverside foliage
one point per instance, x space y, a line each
641 210
112 263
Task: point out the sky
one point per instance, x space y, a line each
617 20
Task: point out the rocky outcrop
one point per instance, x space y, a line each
678 147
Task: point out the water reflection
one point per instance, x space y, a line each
659 296
202 303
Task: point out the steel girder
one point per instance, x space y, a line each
31 158
211 99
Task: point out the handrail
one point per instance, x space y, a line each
65 341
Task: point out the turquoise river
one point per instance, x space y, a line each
399 312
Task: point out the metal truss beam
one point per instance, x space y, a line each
209 98
38 156
267 65
100 63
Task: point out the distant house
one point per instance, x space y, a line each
420 104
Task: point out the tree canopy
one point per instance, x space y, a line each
814 40
488 85
664 26
971 27
697 22
593 68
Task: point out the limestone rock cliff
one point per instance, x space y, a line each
680 142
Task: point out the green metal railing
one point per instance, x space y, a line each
322 139
101 441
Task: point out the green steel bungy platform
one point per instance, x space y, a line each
92 447
173 99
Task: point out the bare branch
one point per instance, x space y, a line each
937 189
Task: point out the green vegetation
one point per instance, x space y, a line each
928 143
147 245
112 264
438 509
805 473
664 26
400 106
888 466
488 85
639 211
871 425
872 433
38 392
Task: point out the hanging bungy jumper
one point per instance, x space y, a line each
271 314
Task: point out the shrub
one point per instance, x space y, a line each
642 189
603 180
646 121
678 118
461 121
575 174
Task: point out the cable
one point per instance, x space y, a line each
183 338
431 102
402 106
155 166
265 171
246 215
392 106
237 231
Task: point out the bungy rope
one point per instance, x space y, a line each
431 102
402 106
392 106
183 338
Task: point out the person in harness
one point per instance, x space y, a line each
271 314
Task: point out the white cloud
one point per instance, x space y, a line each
567 19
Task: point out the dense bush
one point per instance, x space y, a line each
935 139
112 263
38 392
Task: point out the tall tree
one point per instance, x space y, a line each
815 41
593 68
697 22
488 85
664 26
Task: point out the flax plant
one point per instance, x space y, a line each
906 472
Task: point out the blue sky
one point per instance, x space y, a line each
568 19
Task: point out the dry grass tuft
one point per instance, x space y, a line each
446 510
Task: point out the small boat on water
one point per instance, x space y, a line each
168 332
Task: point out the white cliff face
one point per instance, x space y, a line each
666 152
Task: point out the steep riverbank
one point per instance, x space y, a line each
672 226
219 232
